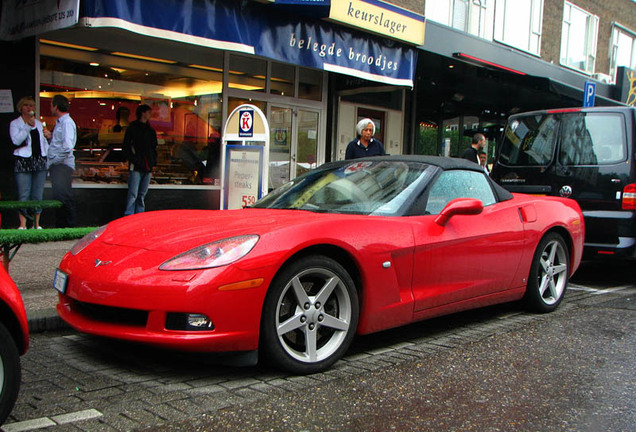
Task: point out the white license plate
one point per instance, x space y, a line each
60 281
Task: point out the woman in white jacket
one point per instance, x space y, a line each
31 147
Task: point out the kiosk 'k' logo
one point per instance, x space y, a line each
246 123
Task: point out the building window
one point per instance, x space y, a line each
578 38
470 16
518 24
623 49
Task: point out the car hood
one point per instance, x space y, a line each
172 230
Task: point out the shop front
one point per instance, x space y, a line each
193 63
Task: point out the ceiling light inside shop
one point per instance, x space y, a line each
88 94
140 57
244 87
94 64
210 68
67 45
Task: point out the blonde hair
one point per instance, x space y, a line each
362 124
23 101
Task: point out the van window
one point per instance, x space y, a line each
529 141
592 139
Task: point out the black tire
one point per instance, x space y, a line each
549 274
10 373
310 315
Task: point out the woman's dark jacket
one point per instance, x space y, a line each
140 146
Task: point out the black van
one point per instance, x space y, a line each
583 153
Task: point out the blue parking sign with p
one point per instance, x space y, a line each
589 93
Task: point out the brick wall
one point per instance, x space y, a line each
608 11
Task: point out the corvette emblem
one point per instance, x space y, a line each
99 262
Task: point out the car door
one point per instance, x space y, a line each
471 255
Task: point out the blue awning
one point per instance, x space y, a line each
261 30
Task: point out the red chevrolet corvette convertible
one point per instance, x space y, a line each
351 247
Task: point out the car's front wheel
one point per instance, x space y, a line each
10 373
549 274
310 315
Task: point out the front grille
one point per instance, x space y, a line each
110 314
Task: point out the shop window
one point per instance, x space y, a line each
310 84
623 49
282 79
247 73
186 112
578 38
518 24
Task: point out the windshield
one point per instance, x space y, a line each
368 188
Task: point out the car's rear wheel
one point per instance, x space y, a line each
310 315
10 373
549 274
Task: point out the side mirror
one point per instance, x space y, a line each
459 206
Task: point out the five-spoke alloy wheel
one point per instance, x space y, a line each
549 274
310 315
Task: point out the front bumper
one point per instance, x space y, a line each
135 301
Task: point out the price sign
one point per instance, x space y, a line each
243 175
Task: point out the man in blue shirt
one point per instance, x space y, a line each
61 161
365 145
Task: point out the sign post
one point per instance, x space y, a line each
244 157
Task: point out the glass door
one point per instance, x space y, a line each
306 154
293 143
280 146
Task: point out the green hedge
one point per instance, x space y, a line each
16 205
16 236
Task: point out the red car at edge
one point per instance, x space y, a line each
14 342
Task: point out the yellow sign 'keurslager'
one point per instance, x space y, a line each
379 17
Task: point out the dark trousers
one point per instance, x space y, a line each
61 182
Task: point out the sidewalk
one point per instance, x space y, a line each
32 269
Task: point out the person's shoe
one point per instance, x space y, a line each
39 227
21 228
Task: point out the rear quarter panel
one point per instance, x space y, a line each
545 214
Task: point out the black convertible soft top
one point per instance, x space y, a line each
445 163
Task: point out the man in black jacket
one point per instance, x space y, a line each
472 152
140 148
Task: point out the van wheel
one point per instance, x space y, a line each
548 275
10 373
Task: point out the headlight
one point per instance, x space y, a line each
86 240
215 254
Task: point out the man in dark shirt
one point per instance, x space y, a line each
472 153
140 148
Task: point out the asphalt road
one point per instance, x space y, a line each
494 369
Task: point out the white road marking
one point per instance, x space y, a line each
39 423
576 287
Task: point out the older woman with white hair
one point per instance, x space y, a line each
364 145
